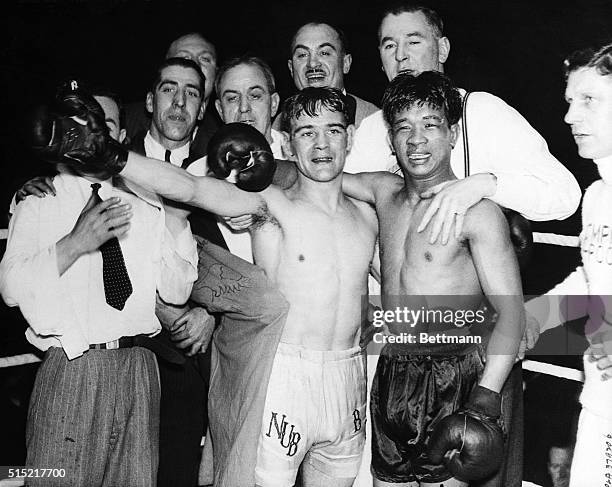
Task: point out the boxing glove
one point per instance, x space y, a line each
520 236
241 154
72 131
470 441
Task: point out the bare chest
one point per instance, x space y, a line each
306 244
409 262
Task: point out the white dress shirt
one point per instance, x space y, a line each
70 310
529 178
155 150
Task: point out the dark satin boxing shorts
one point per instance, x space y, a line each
410 393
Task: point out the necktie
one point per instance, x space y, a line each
167 155
117 285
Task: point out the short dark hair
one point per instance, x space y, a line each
310 101
249 61
599 58
182 62
344 47
430 88
431 16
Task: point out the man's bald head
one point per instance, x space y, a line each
195 47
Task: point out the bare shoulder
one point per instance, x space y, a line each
485 219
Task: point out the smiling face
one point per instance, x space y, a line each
318 58
202 52
423 141
320 144
408 43
589 114
176 105
244 96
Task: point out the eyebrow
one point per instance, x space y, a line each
426 117
310 126
306 48
250 88
409 34
175 83
110 120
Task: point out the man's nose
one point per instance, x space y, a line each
401 53
321 141
416 137
573 114
245 104
179 98
313 60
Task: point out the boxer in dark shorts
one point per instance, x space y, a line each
410 393
428 395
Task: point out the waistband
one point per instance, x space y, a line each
318 356
417 352
160 345
123 342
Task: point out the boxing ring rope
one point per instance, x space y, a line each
531 365
555 239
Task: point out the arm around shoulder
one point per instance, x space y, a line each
365 186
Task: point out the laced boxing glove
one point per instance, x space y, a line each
520 236
470 441
241 154
72 131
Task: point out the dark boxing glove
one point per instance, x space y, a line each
241 152
72 131
470 441
520 236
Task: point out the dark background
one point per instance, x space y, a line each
513 49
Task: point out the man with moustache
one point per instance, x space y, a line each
320 57
195 47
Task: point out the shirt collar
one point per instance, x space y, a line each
276 145
157 151
604 166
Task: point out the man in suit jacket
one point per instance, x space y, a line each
201 51
176 103
320 57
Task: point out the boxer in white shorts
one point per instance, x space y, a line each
314 412
316 245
